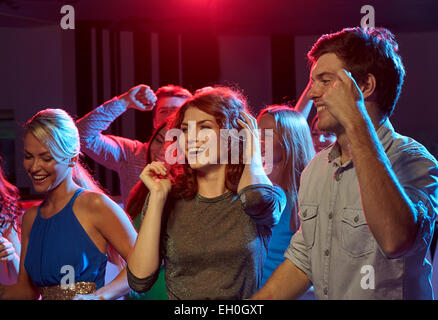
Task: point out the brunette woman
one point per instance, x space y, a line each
209 221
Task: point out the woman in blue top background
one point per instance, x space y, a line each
292 149
65 239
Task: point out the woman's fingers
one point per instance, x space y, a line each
154 168
250 120
243 124
5 244
6 254
159 168
155 177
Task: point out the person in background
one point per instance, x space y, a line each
209 221
292 151
125 156
321 139
10 230
65 239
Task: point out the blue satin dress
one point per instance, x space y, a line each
58 245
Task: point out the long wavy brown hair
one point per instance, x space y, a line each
225 104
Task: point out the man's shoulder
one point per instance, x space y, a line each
408 149
411 162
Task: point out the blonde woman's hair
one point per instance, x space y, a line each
296 141
56 129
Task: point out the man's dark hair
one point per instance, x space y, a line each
370 51
173 91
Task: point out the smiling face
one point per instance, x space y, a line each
323 76
45 173
204 140
266 122
322 139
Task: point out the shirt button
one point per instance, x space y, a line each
327 252
305 214
356 218
325 291
330 215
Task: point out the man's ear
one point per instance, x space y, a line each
369 86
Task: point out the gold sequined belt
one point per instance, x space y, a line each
59 293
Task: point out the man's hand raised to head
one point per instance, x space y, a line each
140 97
344 100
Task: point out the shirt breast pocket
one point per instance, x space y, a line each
357 239
308 224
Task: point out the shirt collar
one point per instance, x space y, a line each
384 134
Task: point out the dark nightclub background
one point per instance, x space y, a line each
259 45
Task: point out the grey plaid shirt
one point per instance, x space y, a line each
334 245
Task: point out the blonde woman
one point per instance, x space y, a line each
65 239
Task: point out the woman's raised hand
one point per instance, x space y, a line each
7 250
155 177
252 150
